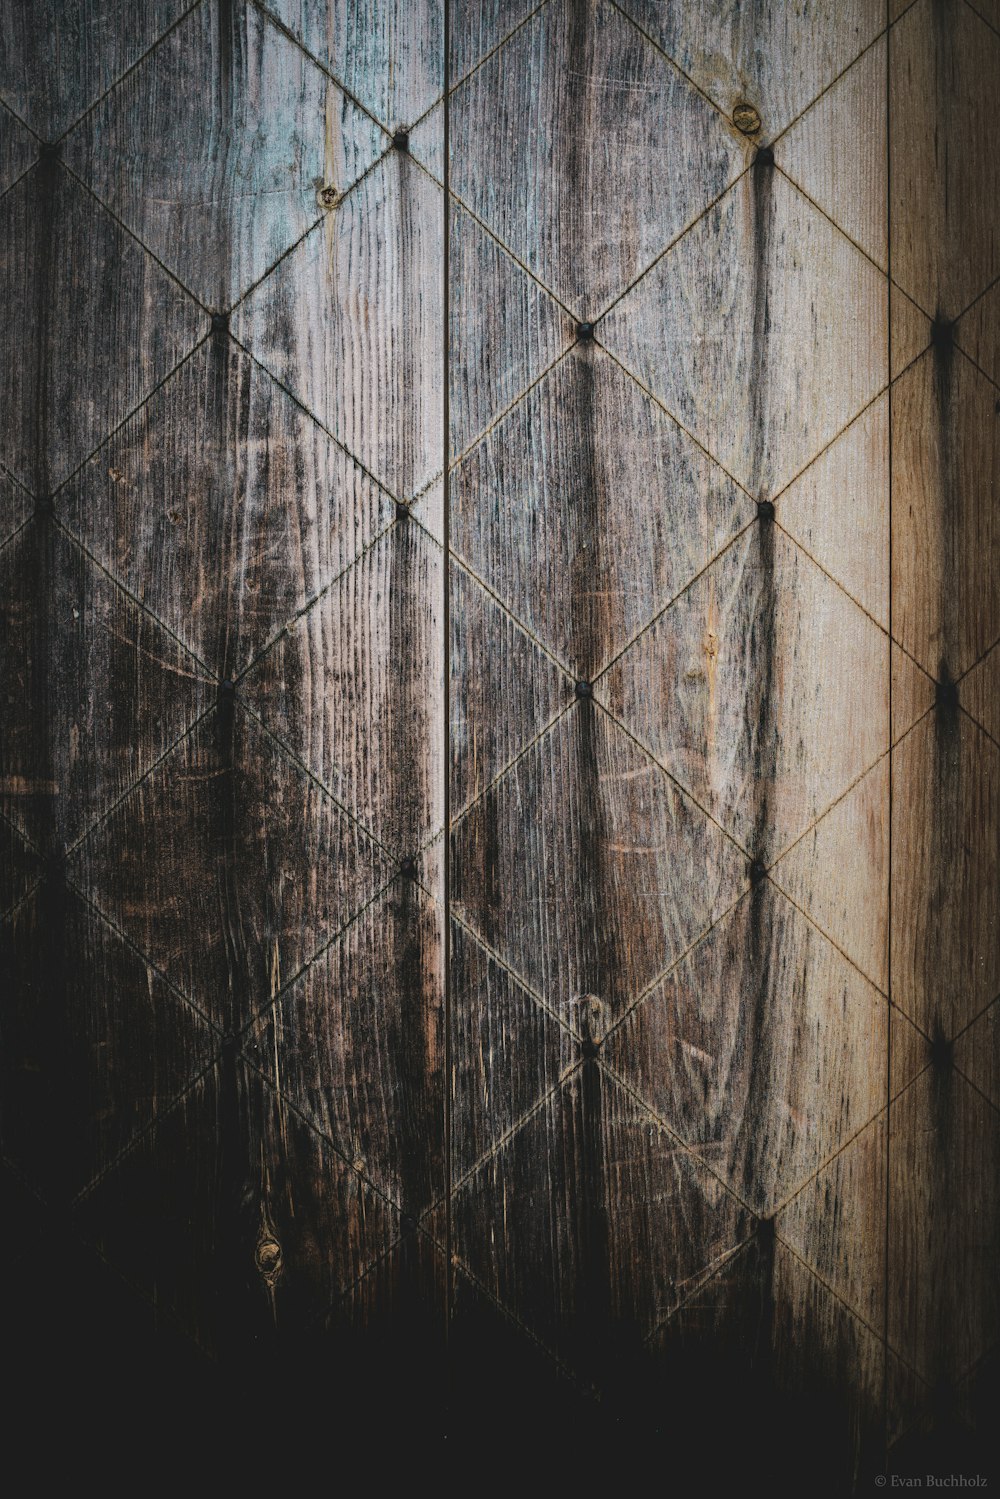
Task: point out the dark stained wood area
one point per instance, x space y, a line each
500 739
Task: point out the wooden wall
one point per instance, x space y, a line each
500 788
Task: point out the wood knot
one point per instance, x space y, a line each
746 118
268 1258
328 197
591 1024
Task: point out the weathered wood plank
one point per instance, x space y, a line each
836 153
229 867
740 331
599 459
777 58
94 691
588 871
93 326
223 507
57 59
737 1048
216 149
377 740
356 1045
590 1223
389 54
574 95
944 63
942 1292
352 324
736 691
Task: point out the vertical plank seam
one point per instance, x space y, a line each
888 968
446 767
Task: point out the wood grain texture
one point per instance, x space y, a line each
591 1222
479 26
94 690
229 867
588 871
597 458
95 326
942 1221
356 1046
576 92
675 1116
735 1047
504 690
944 62
352 324
739 330
504 330
736 692
214 150
946 534
777 58
223 507
355 688
57 59
390 54
836 153
96 1044
18 149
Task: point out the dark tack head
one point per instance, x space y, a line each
227 687
50 151
589 1048
408 868
758 869
220 323
765 510
583 689
746 118
946 693
45 506
401 140
942 333
402 511
764 157
585 332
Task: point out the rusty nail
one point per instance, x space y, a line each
328 197
746 119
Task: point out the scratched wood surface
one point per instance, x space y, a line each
943 1240
500 757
